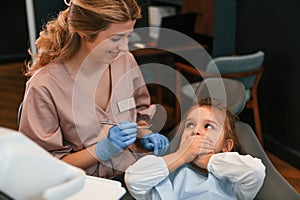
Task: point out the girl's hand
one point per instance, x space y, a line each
195 146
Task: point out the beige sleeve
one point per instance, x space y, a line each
39 122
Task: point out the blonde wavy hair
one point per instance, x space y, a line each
59 39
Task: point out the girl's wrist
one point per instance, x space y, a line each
174 160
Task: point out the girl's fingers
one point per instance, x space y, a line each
203 152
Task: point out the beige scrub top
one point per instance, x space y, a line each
62 117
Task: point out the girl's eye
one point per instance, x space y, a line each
189 125
208 126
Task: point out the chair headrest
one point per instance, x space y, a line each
231 92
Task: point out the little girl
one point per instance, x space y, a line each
207 164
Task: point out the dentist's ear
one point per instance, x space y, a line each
228 145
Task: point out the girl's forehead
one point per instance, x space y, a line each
205 112
202 110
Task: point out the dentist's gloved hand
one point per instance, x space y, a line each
119 137
155 142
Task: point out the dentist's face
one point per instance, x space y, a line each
110 43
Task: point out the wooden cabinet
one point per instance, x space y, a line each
205 18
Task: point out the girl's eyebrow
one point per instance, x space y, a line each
210 121
188 119
215 123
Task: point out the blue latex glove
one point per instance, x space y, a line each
119 137
155 142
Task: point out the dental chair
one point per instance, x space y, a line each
275 186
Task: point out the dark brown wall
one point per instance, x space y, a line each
273 26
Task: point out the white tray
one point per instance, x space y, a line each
99 188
